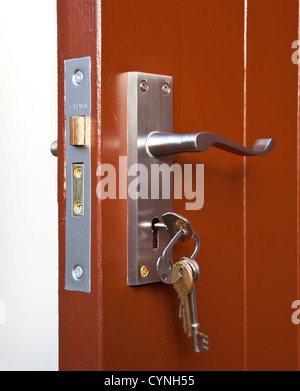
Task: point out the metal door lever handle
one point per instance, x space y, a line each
163 144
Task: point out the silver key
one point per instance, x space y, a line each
174 223
199 339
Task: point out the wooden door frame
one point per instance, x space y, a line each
80 320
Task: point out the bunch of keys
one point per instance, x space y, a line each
183 281
182 275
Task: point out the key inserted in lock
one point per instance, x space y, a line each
179 230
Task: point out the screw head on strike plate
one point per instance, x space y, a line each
78 172
77 272
77 208
166 88
144 85
77 77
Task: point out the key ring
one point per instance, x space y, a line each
165 265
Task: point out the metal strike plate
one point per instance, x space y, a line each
78 174
149 109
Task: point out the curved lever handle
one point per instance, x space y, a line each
163 144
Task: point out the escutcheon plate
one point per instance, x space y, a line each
149 109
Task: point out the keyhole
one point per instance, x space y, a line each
155 233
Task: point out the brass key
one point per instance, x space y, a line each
183 275
183 282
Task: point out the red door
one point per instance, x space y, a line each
233 75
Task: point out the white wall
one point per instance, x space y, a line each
28 201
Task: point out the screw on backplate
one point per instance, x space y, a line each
166 88
78 76
77 272
144 85
144 271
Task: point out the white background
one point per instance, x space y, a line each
28 188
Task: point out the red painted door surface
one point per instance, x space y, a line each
233 74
